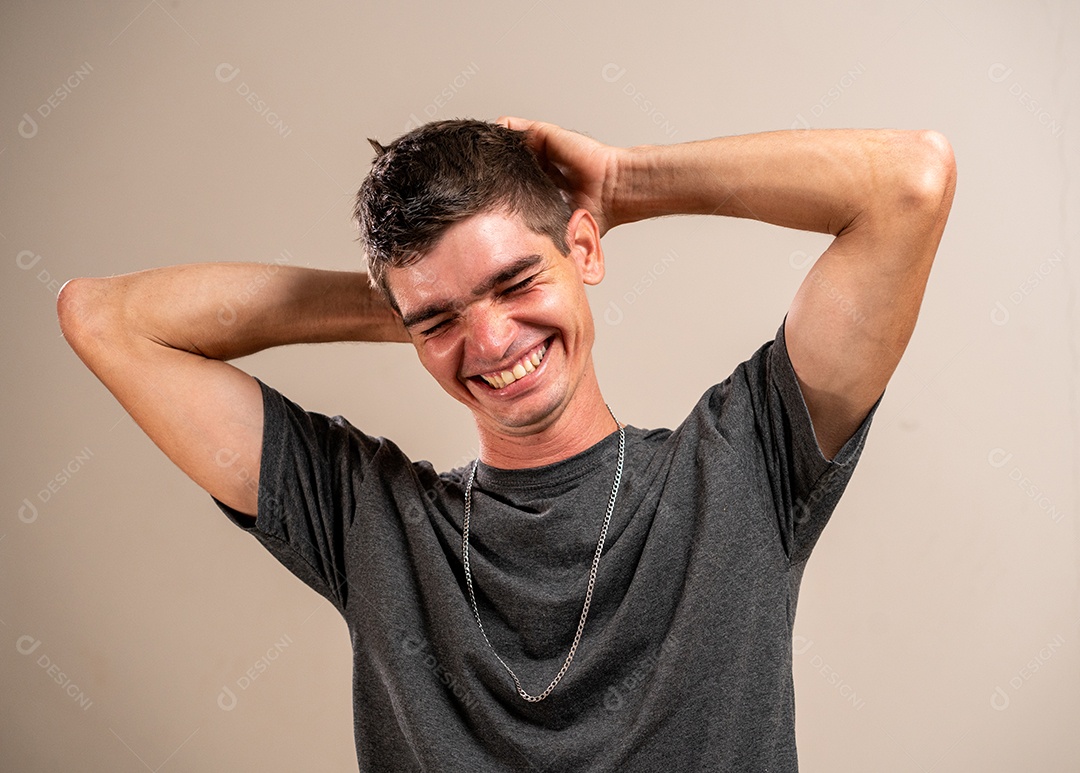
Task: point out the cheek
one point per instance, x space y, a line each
556 308
569 311
440 358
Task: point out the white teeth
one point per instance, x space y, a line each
522 368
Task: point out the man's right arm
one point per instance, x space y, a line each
159 340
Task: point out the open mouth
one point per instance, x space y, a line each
521 369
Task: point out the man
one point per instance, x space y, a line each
586 595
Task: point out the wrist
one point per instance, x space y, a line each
634 188
378 322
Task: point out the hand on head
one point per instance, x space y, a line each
583 168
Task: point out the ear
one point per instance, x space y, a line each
583 238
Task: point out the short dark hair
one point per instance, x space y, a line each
442 173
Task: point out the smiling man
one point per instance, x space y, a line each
511 334
586 595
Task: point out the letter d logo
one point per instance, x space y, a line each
28 127
226 72
28 513
613 699
998 457
27 259
998 72
226 314
226 699
26 644
611 72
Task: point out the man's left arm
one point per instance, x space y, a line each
885 195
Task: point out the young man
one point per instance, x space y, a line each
587 595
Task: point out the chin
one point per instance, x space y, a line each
531 418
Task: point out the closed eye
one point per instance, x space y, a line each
524 283
521 285
431 330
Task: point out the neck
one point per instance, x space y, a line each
584 423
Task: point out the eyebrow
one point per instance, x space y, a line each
505 275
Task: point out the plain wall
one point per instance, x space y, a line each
938 623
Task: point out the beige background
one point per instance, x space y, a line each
938 623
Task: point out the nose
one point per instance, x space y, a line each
490 333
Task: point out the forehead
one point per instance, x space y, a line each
469 259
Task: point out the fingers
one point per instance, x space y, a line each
512 122
535 132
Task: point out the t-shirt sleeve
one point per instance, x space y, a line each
804 486
310 475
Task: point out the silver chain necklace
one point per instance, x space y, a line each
592 572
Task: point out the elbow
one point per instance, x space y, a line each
927 174
67 306
78 309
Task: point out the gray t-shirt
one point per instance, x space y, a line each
685 661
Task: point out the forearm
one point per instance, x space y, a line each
819 180
228 310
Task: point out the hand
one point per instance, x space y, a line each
586 170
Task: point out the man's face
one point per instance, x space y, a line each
500 318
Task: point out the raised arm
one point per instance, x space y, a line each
885 195
158 340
